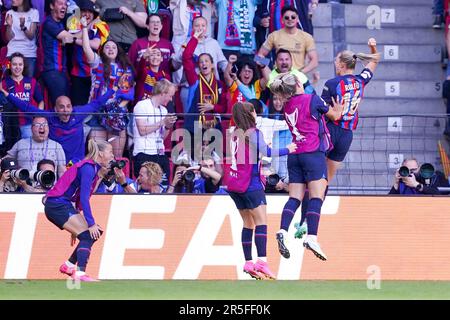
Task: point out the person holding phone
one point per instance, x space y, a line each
242 80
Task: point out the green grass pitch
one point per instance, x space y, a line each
217 290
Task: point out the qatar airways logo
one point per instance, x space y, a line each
24 96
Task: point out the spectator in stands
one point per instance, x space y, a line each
111 69
268 17
21 25
115 181
283 64
30 151
204 44
54 36
149 73
66 123
39 5
300 44
414 183
151 126
438 13
81 71
235 32
9 126
207 94
141 45
24 88
149 179
123 27
242 81
184 12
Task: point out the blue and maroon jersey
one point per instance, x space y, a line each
27 90
99 86
79 61
351 88
54 51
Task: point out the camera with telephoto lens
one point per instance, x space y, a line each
20 174
403 171
46 178
426 172
273 180
116 164
188 176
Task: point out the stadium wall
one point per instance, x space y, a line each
198 237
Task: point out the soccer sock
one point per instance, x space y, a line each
84 249
305 204
288 213
73 257
261 240
313 215
246 239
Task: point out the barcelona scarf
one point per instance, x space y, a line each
150 80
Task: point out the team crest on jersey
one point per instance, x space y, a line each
234 150
27 86
291 119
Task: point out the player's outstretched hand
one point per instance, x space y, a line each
292 147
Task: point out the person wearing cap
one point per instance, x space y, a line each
9 183
81 71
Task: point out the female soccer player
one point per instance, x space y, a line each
307 166
76 185
246 188
349 87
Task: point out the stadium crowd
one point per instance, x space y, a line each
132 72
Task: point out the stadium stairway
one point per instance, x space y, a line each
408 81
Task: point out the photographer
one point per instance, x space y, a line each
274 183
45 176
12 178
115 181
209 177
411 178
185 180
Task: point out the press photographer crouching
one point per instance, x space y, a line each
115 181
12 177
16 179
411 178
45 177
